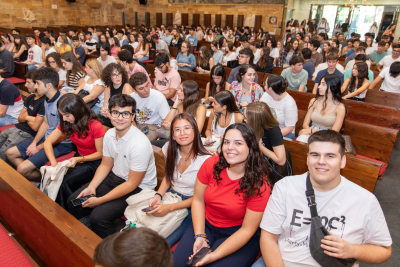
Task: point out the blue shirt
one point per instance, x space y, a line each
51 111
192 40
187 60
350 52
80 51
322 73
309 67
123 42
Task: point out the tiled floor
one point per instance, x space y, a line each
387 191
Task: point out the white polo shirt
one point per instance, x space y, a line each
131 152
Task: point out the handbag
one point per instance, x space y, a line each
164 226
317 233
52 178
82 93
232 63
279 171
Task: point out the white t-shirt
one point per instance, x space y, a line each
231 57
370 50
133 152
387 61
256 56
390 84
89 88
184 183
151 110
51 50
324 66
134 45
285 109
35 54
348 211
274 53
62 75
110 59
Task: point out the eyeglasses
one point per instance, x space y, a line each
115 75
186 130
52 62
125 114
396 51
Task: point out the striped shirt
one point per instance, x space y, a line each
73 79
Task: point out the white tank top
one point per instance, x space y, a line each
217 131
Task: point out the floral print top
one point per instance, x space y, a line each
256 91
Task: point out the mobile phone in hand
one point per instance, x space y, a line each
148 209
210 144
198 256
79 201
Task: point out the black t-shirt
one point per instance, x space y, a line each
344 27
272 137
6 63
34 108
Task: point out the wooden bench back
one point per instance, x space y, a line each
203 43
173 51
383 98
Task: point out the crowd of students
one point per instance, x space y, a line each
110 113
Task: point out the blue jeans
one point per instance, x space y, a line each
8 120
96 109
291 135
144 58
259 263
173 238
32 67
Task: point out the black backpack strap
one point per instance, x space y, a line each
311 197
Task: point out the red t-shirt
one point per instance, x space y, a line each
224 208
85 144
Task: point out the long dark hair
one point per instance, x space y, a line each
256 175
333 84
262 63
76 66
362 69
172 152
21 42
205 59
191 97
116 43
217 70
225 98
74 105
242 71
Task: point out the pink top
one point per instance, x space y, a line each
139 68
114 51
165 81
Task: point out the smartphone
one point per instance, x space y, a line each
148 209
145 130
210 144
198 256
79 201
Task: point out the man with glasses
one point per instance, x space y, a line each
30 118
389 59
127 167
246 56
167 79
151 105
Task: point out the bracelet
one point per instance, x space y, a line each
159 195
174 108
311 130
200 235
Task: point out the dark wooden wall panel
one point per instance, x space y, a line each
218 18
147 19
159 18
185 19
229 21
196 19
240 20
207 20
257 23
169 19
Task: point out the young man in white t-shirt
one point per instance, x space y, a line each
151 105
105 58
389 59
46 49
126 168
34 53
391 76
350 213
254 46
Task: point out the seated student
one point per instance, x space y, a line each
151 105
379 53
167 79
206 61
266 62
326 110
259 117
7 40
308 64
142 50
332 62
188 100
389 59
21 48
295 75
105 58
365 238
53 60
356 44
184 154
93 84
81 125
30 119
120 37
245 57
315 56
90 42
359 51
291 50
167 37
116 80
135 247
75 72
34 53
192 38
64 45
46 50
361 58
391 76
160 44
186 60
29 155
11 102
255 47
114 47
172 61
7 65
218 55
244 89
126 168
233 182
217 83
225 113
242 42
131 66
324 65
284 105
78 50
357 85
229 54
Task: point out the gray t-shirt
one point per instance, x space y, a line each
295 81
6 63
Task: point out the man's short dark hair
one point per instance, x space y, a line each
247 52
328 136
30 75
296 60
356 40
125 55
364 44
19 32
47 75
361 57
243 38
120 31
161 58
73 30
396 46
382 43
30 35
41 35
63 30
155 37
100 29
128 47
88 32
306 53
315 43
121 101
45 40
332 56
394 69
75 38
352 34
360 48
138 78
104 45
322 35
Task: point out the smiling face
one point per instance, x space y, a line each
249 76
183 132
295 45
116 77
234 148
122 122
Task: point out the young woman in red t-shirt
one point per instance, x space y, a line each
230 195
81 125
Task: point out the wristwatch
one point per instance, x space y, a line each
82 160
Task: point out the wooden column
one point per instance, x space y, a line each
136 19
229 21
159 19
257 23
147 19
185 19
240 20
170 19
218 18
196 19
207 20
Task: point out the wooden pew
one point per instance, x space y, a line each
361 171
383 98
54 236
21 70
173 51
203 43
